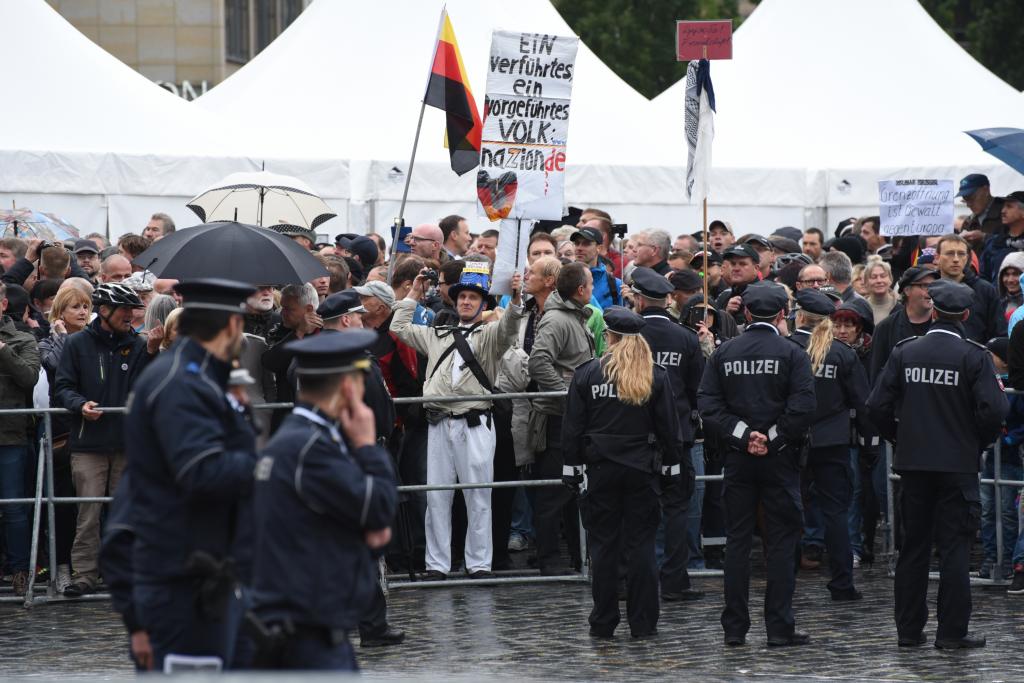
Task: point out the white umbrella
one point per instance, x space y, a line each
260 198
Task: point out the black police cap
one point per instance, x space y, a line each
765 299
622 320
685 280
741 251
648 283
214 294
950 297
332 353
340 303
813 301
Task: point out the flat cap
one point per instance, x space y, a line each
914 275
950 297
765 299
623 321
685 281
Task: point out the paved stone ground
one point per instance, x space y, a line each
540 631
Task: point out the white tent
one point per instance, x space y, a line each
346 80
823 98
86 137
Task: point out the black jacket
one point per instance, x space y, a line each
759 381
98 366
888 334
840 386
939 401
116 556
677 350
598 426
986 319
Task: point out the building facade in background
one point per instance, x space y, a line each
186 46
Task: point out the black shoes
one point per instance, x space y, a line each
851 595
77 590
602 635
431 575
735 640
687 595
389 636
798 638
556 570
913 641
970 641
646 634
481 574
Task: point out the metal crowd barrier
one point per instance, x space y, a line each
997 482
44 479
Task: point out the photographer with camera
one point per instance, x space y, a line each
43 261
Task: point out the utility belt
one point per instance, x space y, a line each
272 637
473 418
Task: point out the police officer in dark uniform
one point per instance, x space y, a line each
676 349
325 498
840 386
190 459
620 433
757 395
939 400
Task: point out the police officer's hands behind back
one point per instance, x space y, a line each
758 444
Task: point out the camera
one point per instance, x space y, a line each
619 230
431 276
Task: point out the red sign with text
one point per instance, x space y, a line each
693 37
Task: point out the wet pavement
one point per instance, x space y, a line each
540 631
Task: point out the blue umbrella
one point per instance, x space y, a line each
1005 144
27 224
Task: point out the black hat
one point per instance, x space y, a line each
950 297
759 240
862 309
332 353
970 184
784 245
741 251
1000 346
82 246
789 232
590 234
649 284
344 239
831 292
1017 196
765 299
215 294
366 249
702 257
851 245
622 320
685 281
341 303
914 275
813 301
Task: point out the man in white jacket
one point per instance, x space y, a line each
460 440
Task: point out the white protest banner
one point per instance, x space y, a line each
510 257
526 123
915 207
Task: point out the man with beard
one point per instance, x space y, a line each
260 316
191 466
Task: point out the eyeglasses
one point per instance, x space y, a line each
417 238
814 281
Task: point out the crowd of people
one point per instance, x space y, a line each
83 319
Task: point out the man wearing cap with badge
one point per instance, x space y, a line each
757 396
742 261
620 434
912 319
324 498
190 459
708 264
461 361
607 287
88 258
938 399
985 218
675 348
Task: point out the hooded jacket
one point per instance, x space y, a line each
562 343
19 371
1009 303
98 366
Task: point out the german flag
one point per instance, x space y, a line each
448 89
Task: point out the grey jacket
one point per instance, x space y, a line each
561 344
488 342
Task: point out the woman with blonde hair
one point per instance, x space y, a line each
878 288
840 385
619 434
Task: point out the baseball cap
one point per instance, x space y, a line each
741 251
702 257
1017 196
590 234
377 289
83 246
719 224
971 184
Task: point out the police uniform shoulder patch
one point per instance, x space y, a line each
192 368
904 341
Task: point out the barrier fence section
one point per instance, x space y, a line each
44 494
995 451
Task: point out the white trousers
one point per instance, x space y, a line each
459 453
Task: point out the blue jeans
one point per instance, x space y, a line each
13 460
695 509
1010 468
522 513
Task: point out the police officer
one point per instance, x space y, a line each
757 395
939 400
619 416
676 349
343 312
190 459
325 498
840 386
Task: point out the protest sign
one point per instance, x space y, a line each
526 123
510 258
694 37
915 207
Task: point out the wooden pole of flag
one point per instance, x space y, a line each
400 221
705 278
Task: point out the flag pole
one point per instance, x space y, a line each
705 278
400 221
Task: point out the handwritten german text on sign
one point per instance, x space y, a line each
692 37
915 207
526 124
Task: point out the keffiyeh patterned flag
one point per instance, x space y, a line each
700 127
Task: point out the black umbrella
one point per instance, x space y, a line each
235 251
